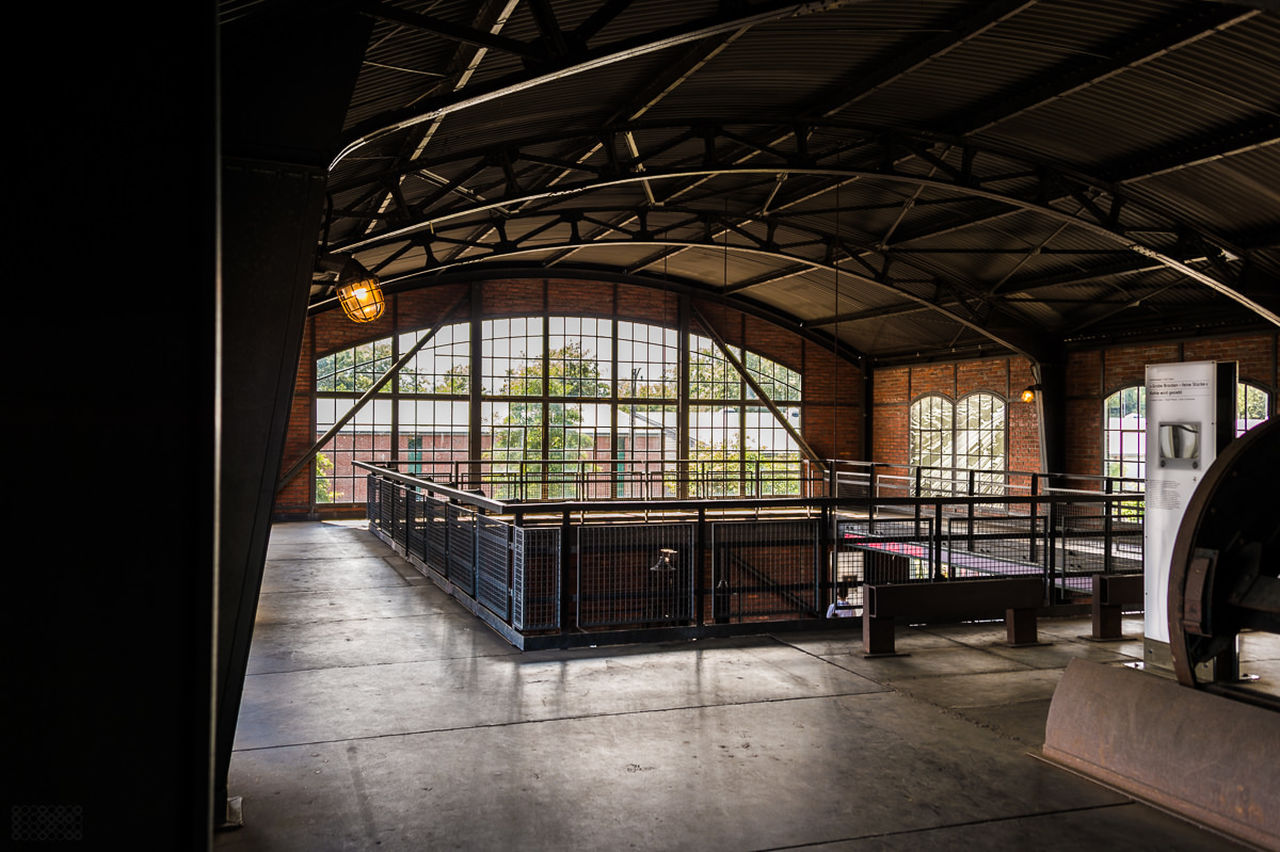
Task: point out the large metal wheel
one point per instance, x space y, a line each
1226 558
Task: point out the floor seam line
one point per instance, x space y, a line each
965 824
619 713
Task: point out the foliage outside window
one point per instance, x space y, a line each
1253 405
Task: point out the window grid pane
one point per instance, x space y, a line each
442 366
1125 433
581 351
711 376
980 440
930 442
367 437
512 357
648 361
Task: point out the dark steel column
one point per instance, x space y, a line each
287 75
682 396
1051 411
475 409
108 619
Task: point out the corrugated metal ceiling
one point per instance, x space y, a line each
963 152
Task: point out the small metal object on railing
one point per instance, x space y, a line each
666 560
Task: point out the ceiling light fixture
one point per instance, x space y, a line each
359 291
1030 391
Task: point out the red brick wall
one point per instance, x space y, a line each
895 388
1090 377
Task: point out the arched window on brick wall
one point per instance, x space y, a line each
1124 433
981 439
1253 405
1124 416
970 434
589 402
931 441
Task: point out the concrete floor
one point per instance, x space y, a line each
378 713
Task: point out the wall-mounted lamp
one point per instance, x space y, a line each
1029 393
359 291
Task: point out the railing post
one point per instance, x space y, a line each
567 597
823 553
937 536
1033 514
1051 546
970 513
700 565
1107 532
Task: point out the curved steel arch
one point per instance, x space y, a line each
589 60
1109 234
408 283
1003 338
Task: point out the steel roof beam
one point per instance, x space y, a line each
1241 138
1047 212
591 60
599 19
1129 51
449 30
895 63
1017 340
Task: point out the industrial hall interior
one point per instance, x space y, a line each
639 424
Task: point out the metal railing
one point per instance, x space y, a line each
574 570
759 475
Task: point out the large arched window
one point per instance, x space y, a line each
1124 433
587 407
967 435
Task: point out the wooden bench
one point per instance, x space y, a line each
1112 595
1016 598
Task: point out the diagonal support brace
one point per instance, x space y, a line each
306 457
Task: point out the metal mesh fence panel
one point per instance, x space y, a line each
436 535
492 552
894 550
989 547
416 525
1093 540
764 568
386 504
462 548
371 493
633 575
535 579
849 571
399 516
